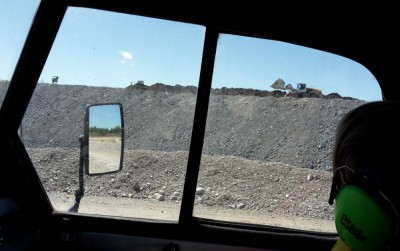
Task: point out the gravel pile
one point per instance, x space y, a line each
225 182
261 152
294 131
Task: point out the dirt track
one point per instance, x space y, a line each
104 154
169 211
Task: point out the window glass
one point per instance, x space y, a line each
15 20
151 67
269 137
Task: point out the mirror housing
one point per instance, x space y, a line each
103 139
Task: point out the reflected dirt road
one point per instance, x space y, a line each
104 154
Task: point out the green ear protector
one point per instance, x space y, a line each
362 222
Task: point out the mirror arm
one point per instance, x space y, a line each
80 192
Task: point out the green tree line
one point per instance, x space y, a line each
101 132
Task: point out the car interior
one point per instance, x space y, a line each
47 107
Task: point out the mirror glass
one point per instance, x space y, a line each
105 139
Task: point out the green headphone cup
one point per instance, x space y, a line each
360 222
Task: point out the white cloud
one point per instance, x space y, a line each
126 56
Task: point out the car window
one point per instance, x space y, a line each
151 67
269 136
15 20
269 131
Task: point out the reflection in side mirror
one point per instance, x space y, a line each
105 137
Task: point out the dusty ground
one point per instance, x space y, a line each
104 153
169 211
229 188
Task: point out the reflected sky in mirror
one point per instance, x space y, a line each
105 116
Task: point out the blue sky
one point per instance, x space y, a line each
107 49
15 19
104 116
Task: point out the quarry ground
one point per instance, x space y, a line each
234 188
265 158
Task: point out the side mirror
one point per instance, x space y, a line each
104 137
102 145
